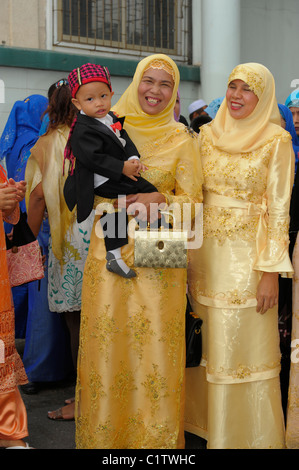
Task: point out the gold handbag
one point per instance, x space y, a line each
160 248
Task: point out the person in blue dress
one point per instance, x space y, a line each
288 124
46 355
19 136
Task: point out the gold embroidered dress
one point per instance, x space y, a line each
233 399
131 367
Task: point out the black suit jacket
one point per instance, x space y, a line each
97 150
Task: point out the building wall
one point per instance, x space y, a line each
26 27
270 35
19 83
23 23
25 71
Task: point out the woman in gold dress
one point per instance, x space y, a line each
131 367
233 399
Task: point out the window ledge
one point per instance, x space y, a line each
51 60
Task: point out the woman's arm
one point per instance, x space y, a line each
36 209
267 292
274 258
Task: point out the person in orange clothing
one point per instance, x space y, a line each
13 415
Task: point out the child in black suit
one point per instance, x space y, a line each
107 161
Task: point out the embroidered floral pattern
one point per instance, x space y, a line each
139 328
96 387
255 81
243 179
244 372
124 384
140 395
104 331
226 224
156 388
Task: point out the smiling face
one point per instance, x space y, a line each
94 99
241 101
155 91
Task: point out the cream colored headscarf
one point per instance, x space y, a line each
248 134
146 126
161 141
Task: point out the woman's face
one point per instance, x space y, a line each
155 91
241 101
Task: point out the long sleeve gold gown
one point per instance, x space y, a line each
131 369
233 399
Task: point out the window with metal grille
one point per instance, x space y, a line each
131 25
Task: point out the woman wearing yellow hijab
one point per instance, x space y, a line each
233 399
131 367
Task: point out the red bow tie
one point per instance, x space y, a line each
116 126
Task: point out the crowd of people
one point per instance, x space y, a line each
120 329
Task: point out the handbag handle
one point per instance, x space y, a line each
22 234
148 227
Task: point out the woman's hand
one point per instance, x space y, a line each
8 197
13 192
267 292
143 205
21 189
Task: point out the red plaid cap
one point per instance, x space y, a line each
88 73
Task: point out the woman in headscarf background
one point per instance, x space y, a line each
131 367
288 125
213 107
177 110
233 399
19 135
286 284
292 102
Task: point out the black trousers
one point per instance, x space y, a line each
115 225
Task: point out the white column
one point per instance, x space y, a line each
196 31
220 25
